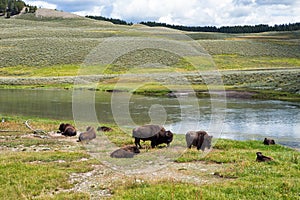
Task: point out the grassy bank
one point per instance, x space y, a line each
43 167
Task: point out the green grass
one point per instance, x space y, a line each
242 177
45 174
28 175
238 62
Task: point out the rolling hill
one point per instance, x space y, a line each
52 43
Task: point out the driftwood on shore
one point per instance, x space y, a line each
35 131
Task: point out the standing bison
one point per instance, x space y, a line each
155 133
88 135
67 129
200 139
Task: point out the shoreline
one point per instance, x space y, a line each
278 84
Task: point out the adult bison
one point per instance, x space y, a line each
268 141
104 129
125 152
155 133
88 135
67 130
200 139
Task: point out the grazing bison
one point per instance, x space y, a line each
261 158
200 139
67 129
104 129
125 152
88 135
268 141
155 133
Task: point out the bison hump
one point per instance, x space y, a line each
146 131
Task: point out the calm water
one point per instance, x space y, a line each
231 118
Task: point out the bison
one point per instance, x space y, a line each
155 133
88 135
125 152
261 158
67 130
104 128
268 141
200 139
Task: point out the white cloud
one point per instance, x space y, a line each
185 12
95 11
42 4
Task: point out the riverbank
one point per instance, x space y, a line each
55 167
281 84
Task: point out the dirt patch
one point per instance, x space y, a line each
103 180
43 12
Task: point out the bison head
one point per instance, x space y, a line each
206 142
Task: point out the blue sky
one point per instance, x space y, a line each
184 12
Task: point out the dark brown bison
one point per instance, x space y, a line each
200 139
261 158
155 133
67 130
125 152
104 129
88 135
268 141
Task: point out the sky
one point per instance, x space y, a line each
184 12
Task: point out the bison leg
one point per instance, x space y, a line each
137 142
153 143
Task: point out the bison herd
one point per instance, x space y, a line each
156 134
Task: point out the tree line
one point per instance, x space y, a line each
224 29
114 21
9 8
231 29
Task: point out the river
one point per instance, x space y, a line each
238 119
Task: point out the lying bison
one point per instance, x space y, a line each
200 139
125 152
268 141
67 129
104 128
88 135
155 133
261 158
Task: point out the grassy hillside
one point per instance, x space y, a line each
43 46
33 42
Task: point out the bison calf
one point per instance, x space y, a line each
67 130
200 139
125 152
88 135
261 158
155 133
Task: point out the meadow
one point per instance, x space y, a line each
54 167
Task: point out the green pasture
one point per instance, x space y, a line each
44 173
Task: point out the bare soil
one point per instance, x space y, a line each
104 179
